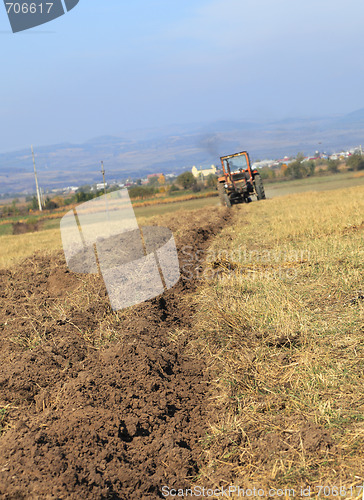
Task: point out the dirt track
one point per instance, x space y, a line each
102 405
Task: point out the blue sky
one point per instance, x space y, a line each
109 66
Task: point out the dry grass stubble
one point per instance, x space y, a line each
281 322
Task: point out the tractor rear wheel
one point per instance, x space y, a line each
259 188
224 198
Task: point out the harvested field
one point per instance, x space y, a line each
98 404
281 318
248 372
14 248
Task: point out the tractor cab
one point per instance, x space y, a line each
236 165
237 171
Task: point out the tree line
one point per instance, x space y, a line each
301 168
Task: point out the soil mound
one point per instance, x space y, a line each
93 403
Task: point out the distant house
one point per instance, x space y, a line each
264 163
203 172
150 176
309 158
70 189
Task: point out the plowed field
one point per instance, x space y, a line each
93 403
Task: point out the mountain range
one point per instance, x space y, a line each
175 149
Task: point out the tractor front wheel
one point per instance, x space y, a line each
227 200
224 198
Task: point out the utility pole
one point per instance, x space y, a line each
36 182
103 175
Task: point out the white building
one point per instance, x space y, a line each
203 172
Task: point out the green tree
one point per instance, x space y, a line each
50 204
82 196
34 203
14 208
355 162
333 166
311 167
187 180
267 173
299 168
141 192
294 170
153 181
211 181
197 186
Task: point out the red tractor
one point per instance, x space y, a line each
239 181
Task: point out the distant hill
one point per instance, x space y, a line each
175 149
352 119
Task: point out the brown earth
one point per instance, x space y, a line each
25 227
96 404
